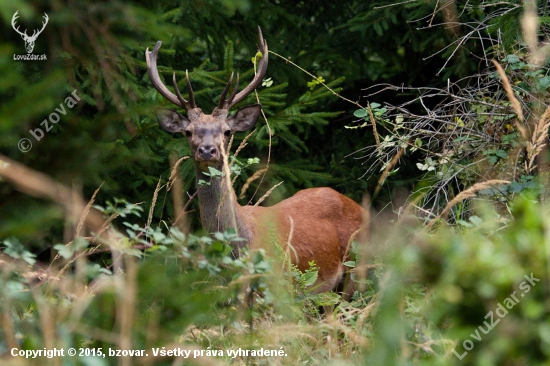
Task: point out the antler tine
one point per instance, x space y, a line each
223 102
178 94
191 93
151 58
234 92
262 67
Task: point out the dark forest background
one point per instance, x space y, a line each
112 137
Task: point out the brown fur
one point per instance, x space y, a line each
323 221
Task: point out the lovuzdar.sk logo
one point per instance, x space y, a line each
29 40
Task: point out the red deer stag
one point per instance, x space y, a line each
316 224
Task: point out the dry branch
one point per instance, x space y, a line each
268 193
539 139
387 170
254 176
178 201
86 211
513 100
39 185
469 193
373 121
153 203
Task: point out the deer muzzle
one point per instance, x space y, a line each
208 153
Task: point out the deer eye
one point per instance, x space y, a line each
188 133
227 133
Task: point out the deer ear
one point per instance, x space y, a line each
245 118
170 120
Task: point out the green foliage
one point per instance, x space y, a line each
15 249
68 251
471 131
312 84
429 296
121 208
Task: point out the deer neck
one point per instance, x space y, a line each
219 209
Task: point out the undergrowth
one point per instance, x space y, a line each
421 300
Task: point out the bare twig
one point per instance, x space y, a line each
86 211
539 139
242 145
153 203
40 185
513 100
387 170
469 193
268 193
174 174
372 120
254 176
270 135
177 194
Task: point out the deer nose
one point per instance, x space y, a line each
207 152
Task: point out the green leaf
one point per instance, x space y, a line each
350 264
66 251
218 235
476 220
502 154
16 250
79 243
512 59
326 299
309 278
177 235
360 113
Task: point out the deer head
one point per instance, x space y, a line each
29 41
207 134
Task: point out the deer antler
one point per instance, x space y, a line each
224 103
234 98
261 69
151 58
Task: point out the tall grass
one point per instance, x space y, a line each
420 295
